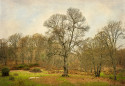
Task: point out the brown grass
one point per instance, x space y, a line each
50 80
75 77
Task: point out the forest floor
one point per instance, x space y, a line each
46 78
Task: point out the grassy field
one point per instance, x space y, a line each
21 78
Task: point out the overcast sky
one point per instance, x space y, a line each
28 16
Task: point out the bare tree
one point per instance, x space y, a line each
3 51
93 54
39 43
121 57
30 46
91 51
13 41
68 31
100 51
112 33
23 47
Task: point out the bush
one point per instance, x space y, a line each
36 70
36 64
20 66
33 65
30 65
5 71
26 68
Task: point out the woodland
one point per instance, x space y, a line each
64 56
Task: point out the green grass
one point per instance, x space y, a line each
102 74
65 83
96 84
111 76
24 82
61 78
4 81
26 74
23 79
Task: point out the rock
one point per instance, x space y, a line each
33 78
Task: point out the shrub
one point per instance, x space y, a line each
26 68
5 71
33 65
30 65
20 66
36 64
36 70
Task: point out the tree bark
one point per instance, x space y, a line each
114 67
100 69
65 74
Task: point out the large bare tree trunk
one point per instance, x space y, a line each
98 70
65 67
100 66
115 73
114 66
